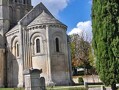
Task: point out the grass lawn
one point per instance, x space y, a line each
6 89
49 88
65 88
12 89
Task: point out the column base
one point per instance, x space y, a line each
20 85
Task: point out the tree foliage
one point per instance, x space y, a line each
105 23
80 51
91 57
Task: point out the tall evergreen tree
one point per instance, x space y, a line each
105 23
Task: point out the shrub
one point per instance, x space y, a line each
80 80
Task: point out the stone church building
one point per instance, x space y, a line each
32 38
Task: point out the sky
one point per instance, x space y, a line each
76 14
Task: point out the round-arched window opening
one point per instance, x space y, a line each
57 44
17 49
38 45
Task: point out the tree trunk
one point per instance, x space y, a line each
113 86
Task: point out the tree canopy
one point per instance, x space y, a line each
81 52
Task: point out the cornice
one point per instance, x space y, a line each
12 32
43 26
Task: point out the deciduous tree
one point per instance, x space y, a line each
80 51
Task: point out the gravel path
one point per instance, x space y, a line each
98 88
94 89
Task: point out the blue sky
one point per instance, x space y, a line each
76 14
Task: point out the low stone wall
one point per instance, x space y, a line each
88 79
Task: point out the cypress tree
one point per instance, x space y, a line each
105 24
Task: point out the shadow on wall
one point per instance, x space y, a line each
8 66
12 68
1 41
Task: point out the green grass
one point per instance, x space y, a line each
12 89
49 88
67 89
6 89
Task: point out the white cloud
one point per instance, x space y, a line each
55 6
83 28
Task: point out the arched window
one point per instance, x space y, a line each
24 2
37 45
18 14
27 1
15 0
57 44
17 49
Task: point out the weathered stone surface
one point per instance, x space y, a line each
21 47
33 80
2 67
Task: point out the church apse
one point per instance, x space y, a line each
38 41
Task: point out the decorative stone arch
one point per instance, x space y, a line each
35 36
15 46
57 34
57 41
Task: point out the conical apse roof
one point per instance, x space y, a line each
44 18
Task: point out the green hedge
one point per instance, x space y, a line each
80 80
